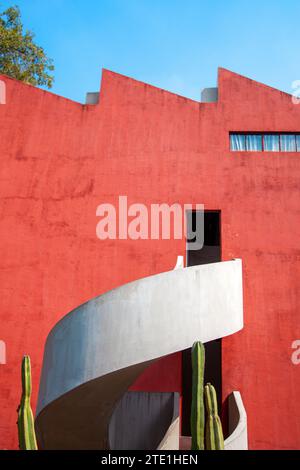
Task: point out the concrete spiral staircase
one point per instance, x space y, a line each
95 353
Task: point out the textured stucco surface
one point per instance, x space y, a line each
60 160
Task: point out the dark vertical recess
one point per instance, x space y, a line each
209 253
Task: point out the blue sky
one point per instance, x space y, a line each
173 44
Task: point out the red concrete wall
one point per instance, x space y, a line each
60 160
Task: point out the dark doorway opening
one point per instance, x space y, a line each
209 253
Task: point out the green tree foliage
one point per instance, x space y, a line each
20 57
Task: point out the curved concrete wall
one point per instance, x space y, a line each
237 424
144 420
102 346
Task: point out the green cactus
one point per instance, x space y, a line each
197 412
213 432
27 439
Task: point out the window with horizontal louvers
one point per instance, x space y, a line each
264 142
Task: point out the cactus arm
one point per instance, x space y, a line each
197 412
209 435
27 439
219 439
214 433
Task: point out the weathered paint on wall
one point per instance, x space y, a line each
60 160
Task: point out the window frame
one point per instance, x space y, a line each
263 134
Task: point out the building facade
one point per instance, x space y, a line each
237 154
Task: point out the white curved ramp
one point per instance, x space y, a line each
237 423
97 351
